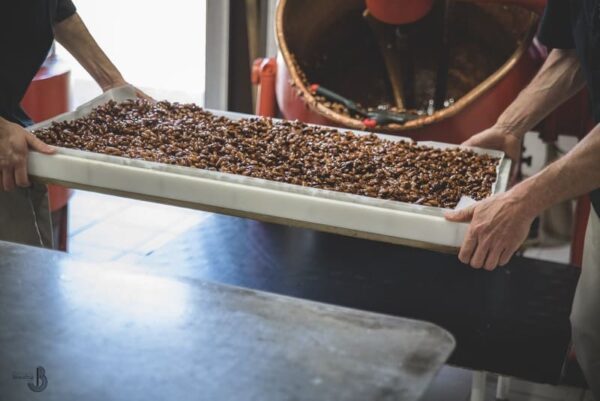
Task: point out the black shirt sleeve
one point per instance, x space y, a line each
64 9
556 30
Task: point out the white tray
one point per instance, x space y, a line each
325 210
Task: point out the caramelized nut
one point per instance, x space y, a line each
285 151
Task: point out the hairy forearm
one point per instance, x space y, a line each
75 37
575 174
3 122
559 78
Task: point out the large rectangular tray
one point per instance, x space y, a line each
325 210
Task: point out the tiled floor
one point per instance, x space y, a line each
105 228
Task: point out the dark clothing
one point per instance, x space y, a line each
575 24
26 36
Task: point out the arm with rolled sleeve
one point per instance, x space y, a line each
71 32
64 10
500 224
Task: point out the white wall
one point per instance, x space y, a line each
158 45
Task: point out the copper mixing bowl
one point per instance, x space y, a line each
492 28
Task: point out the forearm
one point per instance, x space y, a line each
3 123
559 78
575 174
75 37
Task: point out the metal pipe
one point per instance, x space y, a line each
478 386
441 83
503 388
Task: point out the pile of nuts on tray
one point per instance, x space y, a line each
283 151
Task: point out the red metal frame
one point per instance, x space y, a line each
264 72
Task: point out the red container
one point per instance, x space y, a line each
398 12
47 97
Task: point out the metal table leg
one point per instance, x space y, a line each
478 386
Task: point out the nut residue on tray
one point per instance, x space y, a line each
283 151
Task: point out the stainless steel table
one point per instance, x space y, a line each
76 331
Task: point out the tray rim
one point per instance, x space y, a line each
324 210
124 93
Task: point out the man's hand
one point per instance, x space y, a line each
15 142
499 225
503 140
499 139
138 92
